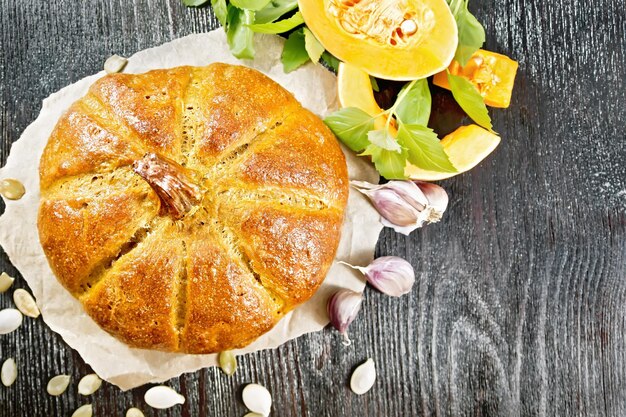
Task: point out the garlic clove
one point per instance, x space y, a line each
257 399
391 275
89 384
10 320
134 412
162 397
228 362
5 282
57 385
404 205
343 307
114 63
83 411
25 303
8 374
363 377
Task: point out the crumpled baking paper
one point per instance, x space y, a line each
112 360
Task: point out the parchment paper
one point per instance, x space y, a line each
112 360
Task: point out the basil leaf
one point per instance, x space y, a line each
220 10
390 164
194 3
424 148
330 60
250 4
383 139
415 105
471 32
374 83
274 10
351 125
281 26
238 33
294 52
470 100
313 47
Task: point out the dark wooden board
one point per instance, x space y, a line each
520 304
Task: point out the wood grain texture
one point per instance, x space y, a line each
520 304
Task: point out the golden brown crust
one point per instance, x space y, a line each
259 241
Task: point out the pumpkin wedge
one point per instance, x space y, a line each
389 39
493 75
466 147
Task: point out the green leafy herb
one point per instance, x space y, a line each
415 104
383 139
238 33
470 100
250 4
221 11
274 10
194 3
313 47
424 148
330 60
281 26
374 84
390 164
294 52
471 32
351 125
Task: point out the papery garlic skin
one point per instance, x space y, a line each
405 205
390 275
343 307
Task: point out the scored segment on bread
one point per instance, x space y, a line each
257 241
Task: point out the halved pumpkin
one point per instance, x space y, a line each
493 75
389 39
466 147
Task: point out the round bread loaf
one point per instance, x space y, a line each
189 209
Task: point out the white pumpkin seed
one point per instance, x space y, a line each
8 374
83 411
257 399
89 384
253 415
12 189
10 319
5 281
363 377
228 362
134 412
25 303
115 63
163 397
58 385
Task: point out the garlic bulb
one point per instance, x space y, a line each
390 275
343 307
406 205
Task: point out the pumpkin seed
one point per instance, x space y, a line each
89 384
83 411
10 319
8 374
5 281
257 399
228 362
25 303
12 189
115 63
253 415
134 412
363 377
163 397
58 385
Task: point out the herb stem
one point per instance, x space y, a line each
392 109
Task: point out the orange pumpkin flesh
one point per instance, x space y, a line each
493 75
389 39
